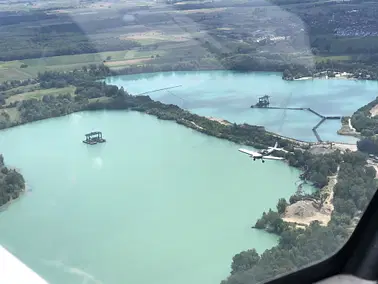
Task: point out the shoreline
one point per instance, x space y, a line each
4 206
124 72
294 213
347 129
326 78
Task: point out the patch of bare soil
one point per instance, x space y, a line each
306 211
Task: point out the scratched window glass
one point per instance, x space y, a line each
208 142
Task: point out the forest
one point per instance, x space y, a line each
61 35
12 183
363 121
299 247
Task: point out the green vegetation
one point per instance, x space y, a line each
61 37
10 70
92 95
12 183
44 44
137 36
354 188
38 94
320 59
299 247
367 124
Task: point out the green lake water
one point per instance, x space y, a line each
157 203
229 95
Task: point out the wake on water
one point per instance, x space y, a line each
87 278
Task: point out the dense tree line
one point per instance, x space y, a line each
11 183
367 125
316 167
67 44
300 247
89 95
15 83
49 106
57 35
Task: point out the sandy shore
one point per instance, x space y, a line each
374 111
348 129
221 121
304 212
303 78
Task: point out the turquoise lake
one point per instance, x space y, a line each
229 95
157 203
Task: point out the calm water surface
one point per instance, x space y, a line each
229 95
158 203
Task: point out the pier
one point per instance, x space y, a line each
94 138
264 103
316 113
158 90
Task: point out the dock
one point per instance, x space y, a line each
93 138
264 103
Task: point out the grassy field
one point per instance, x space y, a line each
334 58
21 89
38 94
11 70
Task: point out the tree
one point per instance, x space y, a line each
287 74
281 205
244 261
1 160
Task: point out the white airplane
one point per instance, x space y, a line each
270 150
257 155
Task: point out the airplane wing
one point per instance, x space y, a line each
251 153
272 158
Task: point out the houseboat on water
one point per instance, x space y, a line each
94 138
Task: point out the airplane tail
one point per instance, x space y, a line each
275 145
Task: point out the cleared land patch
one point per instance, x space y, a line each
38 94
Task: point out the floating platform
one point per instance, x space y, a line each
93 142
94 138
